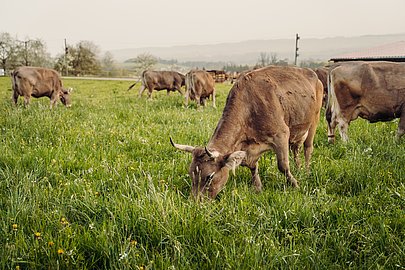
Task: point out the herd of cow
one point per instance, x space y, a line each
271 108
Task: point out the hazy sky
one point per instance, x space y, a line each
119 24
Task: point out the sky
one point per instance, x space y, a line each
121 24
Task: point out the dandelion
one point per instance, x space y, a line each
51 244
133 243
15 227
64 221
60 251
37 235
97 193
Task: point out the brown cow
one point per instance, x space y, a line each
322 73
200 85
38 82
268 108
160 80
371 90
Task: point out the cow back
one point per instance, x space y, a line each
267 99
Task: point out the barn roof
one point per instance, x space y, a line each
388 52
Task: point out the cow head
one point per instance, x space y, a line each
209 169
65 97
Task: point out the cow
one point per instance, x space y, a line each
374 91
160 80
200 85
38 82
322 73
269 108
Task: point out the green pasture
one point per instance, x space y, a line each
99 186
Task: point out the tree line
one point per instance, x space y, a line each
84 58
80 59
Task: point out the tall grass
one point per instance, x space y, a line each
99 186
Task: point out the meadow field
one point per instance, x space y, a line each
99 186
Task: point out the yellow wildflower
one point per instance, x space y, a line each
133 243
37 235
64 221
60 251
51 244
15 227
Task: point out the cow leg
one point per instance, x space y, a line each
186 96
141 90
27 100
296 152
309 146
280 146
256 182
343 127
401 125
54 99
179 90
15 97
204 102
149 93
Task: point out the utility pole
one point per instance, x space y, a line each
297 37
64 59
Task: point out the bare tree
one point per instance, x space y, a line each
108 64
264 60
7 51
145 61
33 53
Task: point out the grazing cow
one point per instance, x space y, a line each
371 90
200 85
160 80
322 73
38 82
268 108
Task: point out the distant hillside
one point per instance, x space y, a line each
247 52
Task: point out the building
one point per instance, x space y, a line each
394 52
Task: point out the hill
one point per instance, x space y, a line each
247 52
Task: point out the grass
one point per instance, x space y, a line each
98 186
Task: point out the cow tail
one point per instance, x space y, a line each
132 85
331 98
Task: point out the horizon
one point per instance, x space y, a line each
121 24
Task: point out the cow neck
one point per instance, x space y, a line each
230 130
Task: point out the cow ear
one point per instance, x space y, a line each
235 159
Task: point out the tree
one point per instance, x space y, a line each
108 64
83 60
7 52
143 62
33 53
264 60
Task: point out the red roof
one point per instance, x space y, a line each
392 50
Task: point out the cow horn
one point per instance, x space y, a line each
211 154
182 147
